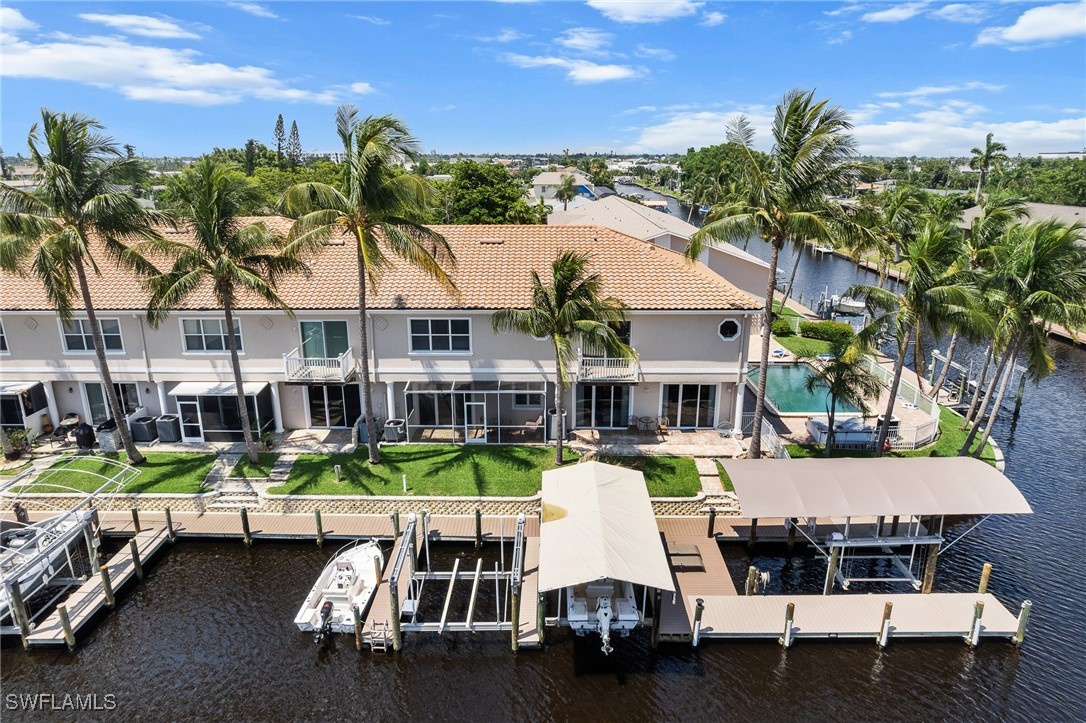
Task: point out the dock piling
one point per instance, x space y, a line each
66 625
974 630
479 529
541 616
136 521
246 534
170 534
657 603
752 579
395 517
929 568
18 611
514 618
791 524
831 571
107 586
394 600
789 616
320 528
753 534
712 522
985 573
357 627
137 565
1023 620
698 612
884 628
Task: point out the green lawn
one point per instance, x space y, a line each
725 478
801 346
453 470
12 471
788 310
262 468
175 473
950 441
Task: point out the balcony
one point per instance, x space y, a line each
607 369
320 370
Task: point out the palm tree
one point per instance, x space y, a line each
229 254
383 212
993 155
78 197
933 292
783 196
1039 277
891 219
566 191
844 378
568 309
6 445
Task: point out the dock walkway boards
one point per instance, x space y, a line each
937 615
90 597
528 624
698 570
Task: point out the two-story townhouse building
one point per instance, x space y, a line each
435 360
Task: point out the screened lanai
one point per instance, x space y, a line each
476 412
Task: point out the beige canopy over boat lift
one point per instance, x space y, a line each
888 506
598 524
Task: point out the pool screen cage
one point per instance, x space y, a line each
499 412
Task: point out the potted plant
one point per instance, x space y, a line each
267 440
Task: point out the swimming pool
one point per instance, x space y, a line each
786 390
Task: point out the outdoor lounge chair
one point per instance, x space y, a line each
778 353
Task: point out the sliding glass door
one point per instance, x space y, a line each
690 406
603 406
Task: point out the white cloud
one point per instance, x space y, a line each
645 11
579 71
925 91
712 19
844 10
505 35
644 51
936 137
373 19
144 25
589 41
11 20
960 13
895 13
843 37
253 9
146 72
362 88
1039 25
681 130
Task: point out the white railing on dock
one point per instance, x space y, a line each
318 369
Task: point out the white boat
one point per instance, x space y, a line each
604 607
823 249
32 554
847 305
346 582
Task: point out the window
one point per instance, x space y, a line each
441 335
728 329
528 400
79 337
128 394
324 339
208 335
3 340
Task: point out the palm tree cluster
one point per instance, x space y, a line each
79 217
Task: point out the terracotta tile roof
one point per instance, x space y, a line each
492 272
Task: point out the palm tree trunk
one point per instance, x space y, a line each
690 213
831 436
364 357
791 279
899 365
239 384
559 389
979 420
980 385
995 407
5 444
134 455
946 365
980 182
755 449
918 360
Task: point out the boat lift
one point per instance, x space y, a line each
405 615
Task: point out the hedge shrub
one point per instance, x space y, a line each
781 327
831 331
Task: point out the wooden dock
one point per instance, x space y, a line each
90 597
698 570
528 624
937 615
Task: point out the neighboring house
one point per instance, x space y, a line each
546 184
745 271
434 357
1034 212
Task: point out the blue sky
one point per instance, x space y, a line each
926 78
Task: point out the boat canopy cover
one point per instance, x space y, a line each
215 389
598 523
872 487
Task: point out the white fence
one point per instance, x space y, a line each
771 441
905 390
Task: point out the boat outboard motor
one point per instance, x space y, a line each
325 625
604 614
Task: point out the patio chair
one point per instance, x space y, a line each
534 423
662 424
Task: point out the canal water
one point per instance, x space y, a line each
209 634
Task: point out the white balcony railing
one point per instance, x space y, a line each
318 369
604 368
